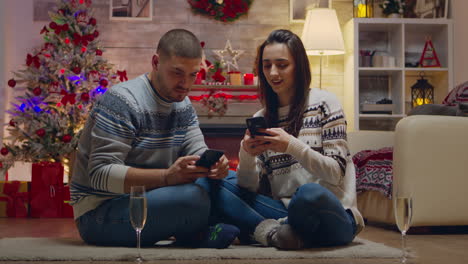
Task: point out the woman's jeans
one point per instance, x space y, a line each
314 212
180 211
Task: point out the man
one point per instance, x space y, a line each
145 132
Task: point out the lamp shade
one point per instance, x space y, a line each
322 34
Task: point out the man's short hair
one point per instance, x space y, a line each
180 43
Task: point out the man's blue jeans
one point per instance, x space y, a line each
180 211
314 212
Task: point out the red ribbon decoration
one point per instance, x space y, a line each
122 75
33 59
44 30
15 200
68 98
60 28
224 95
84 40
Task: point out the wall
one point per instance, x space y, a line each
460 35
2 62
130 44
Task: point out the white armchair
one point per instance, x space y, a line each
430 155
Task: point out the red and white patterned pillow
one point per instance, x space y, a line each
459 94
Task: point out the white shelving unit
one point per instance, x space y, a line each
397 44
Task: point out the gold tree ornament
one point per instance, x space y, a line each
229 56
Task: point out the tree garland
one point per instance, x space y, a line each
222 10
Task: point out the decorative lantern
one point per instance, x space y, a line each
422 92
363 8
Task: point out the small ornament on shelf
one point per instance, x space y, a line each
393 8
235 77
364 8
429 55
229 56
422 92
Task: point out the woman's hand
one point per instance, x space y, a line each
220 169
253 145
278 139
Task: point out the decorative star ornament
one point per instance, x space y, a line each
228 56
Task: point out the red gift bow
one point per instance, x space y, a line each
15 200
122 75
33 59
77 39
61 28
67 97
44 30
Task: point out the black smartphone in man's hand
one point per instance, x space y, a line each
209 157
254 123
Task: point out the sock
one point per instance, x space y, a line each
218 236
263 229
284 237
271 233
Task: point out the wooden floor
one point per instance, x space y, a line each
430 245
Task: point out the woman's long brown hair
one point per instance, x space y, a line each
302 79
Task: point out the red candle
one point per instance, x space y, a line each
248 79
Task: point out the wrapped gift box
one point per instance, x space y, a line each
14 198
235 78
47 190
67 209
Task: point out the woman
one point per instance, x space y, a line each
295 187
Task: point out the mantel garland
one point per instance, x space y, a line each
217 103
222 10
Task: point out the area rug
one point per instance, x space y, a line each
73 249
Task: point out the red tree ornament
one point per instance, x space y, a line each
12 83
41 132
67 138
4 151
76 70
92 21
103 83
37 91
85 97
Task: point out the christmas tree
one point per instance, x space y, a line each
61 81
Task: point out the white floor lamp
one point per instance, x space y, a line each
322 34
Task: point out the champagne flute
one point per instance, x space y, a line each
403 209
137 211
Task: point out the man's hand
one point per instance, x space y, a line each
220 169
184 171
